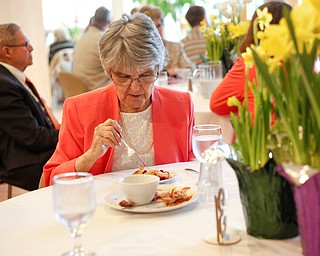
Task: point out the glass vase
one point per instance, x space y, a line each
267 201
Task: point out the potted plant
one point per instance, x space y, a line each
294 84
266 197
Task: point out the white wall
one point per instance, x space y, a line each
28 15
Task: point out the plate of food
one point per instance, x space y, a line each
164 175
167 198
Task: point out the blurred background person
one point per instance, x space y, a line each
194 43
62 40
177 55
91 22
86 61
28 130
60 59
155 121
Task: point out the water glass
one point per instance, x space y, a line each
74 202
162 78
203 136
210 175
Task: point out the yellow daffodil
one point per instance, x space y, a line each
289 86
306 32
238 30
277 42
233 102
263 18
315 3
248 57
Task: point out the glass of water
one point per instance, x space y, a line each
210 175
74 202
203 136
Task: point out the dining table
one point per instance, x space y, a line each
28 225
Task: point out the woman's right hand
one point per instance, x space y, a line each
105 135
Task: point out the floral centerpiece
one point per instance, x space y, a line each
266 197
288 85
224 34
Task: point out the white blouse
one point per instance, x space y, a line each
137 132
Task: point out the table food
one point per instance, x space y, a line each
172 197
162 174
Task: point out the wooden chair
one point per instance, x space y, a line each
72 85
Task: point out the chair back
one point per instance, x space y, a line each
72 85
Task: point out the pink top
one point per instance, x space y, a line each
172 120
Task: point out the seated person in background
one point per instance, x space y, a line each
62 40
86 62
177 55
233 83
60 59
28 132
194 43
155 121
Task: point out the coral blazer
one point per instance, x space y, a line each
172 120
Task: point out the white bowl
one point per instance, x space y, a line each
139 188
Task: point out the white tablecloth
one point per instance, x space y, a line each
28 226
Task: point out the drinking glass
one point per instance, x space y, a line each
203 136
74 202
163 78
207 146
210 175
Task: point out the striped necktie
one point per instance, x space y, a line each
43 105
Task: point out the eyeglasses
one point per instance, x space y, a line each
127 81
25 44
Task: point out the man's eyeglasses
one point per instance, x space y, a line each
25 44
127 81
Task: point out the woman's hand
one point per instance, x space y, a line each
105 135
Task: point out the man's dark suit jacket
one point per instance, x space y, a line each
27 138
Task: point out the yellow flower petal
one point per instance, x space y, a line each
315 3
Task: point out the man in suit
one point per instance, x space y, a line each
28 131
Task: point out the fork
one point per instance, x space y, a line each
132 154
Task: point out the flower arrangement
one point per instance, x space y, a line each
253 132
222 36
286 84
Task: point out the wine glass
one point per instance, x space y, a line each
204 136
207 141
74 202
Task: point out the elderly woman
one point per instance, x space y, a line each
155 121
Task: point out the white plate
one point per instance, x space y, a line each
114 198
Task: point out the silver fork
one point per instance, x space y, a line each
132 154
